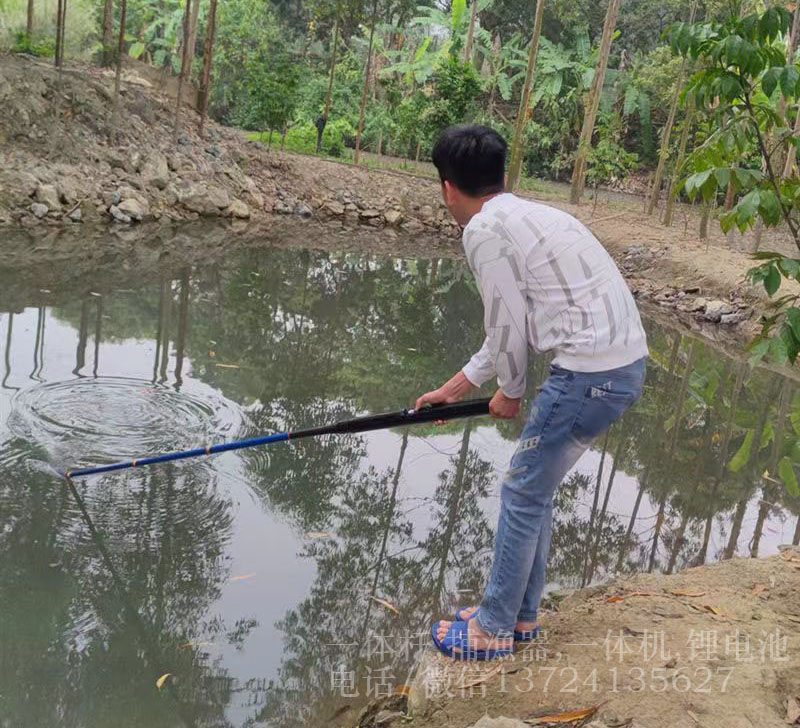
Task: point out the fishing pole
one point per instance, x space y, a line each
366 423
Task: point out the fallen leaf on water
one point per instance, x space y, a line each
570 717
227 366
45 290
681 593
386 604
189 645
482 678
759 589
160 682
94 293
242 577
212 353
792 711
320 534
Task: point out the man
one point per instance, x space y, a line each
548 284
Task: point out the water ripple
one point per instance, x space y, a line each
85 421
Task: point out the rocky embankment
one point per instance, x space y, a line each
66 161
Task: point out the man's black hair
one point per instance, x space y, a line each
472 157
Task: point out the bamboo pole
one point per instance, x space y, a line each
515 165
590 114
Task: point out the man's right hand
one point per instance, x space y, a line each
452 390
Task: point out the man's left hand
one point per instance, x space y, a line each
504 408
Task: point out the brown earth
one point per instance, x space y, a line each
714 646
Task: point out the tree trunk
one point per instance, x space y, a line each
593 103
632 522
123 9
473 17
365 91
593 515
663 152
29 24
669 210
107 57
602 517
704 220
380 142
329 94
208 51
515 165
184 67
419 148
192 38
60 12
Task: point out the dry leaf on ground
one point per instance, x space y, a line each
386 604
481 677
569 717
682 593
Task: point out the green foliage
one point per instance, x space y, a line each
608 161
303 138
743 86
25 44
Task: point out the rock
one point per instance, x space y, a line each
213 150
499 722
132 208
156 170
26 183
413 226
369 214
237 208
716 309
48 195
734 318
183 139
76 215
334 208
68 190
39 210
393 217
204 200
303 210
281 208
426 212
118 215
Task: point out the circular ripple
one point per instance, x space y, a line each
85 421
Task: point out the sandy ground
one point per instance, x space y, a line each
715 646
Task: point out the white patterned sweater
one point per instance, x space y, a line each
547 283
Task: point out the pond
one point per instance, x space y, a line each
268 584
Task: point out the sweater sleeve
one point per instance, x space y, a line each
498 272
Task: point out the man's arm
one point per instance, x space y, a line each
505 350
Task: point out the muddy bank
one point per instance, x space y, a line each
65 162
713 646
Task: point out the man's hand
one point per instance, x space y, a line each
452 390
504 408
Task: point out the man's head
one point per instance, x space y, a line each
471 161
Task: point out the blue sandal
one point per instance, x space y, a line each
456 644
527 636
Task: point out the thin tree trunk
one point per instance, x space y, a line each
473 17
517 143
208 51
663 152
629 532
593 103
59 31
107 57
602 517
187 14
704 220
123 9
736 528
331 73
192 38
669 210
29 24
365 91
380 142
796 539
183 320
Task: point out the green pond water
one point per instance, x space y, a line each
253 578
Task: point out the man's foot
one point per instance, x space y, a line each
467 613
477 638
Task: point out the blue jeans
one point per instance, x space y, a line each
571 410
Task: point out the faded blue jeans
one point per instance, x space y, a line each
571 410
